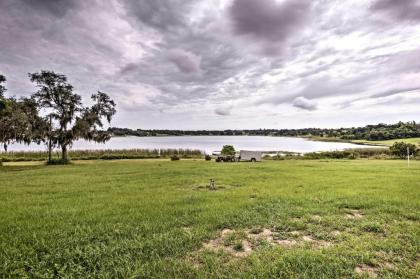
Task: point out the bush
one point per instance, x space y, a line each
174 157
228 150
207 157
399 149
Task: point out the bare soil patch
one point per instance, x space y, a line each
316 218
363 269
243 243
355 214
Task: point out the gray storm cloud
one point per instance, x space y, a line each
305 104
406 10
267 19
180 59
223 111
187 62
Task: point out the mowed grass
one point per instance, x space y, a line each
415 141
150 218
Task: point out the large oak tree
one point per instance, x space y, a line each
70 120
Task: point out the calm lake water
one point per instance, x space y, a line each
206 143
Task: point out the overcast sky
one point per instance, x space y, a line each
190 64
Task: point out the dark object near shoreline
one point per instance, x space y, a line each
207 157
227 158
174 158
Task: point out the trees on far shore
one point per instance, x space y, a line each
53 115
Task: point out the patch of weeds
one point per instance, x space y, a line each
372 227
238 246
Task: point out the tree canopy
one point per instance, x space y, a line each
70 120
19 120
228 150
2 90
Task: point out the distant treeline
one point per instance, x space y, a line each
369 132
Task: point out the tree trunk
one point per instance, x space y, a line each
49 150
50 140
64 153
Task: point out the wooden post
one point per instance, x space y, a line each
212 184
408 156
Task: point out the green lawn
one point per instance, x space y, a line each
415 141
157 219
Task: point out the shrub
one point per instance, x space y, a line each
399 149
174 157
228 150
207 157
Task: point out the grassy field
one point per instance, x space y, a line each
158 219
415 141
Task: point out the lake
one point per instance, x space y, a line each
206 143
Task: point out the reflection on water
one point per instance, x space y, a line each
206 143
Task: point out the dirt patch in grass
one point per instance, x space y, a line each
316 242
243 243
335 233
354 214
363 269
230 243
316 218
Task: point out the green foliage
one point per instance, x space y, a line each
228 150
207 157
399 149
372 227
20 122
72 121
146 219
365 153
2 87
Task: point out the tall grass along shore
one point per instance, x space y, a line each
106 154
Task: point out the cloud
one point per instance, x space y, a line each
223 111
56 8
170 62
158 14
129 68
404 10
395 92
305 104
187 62
268 20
